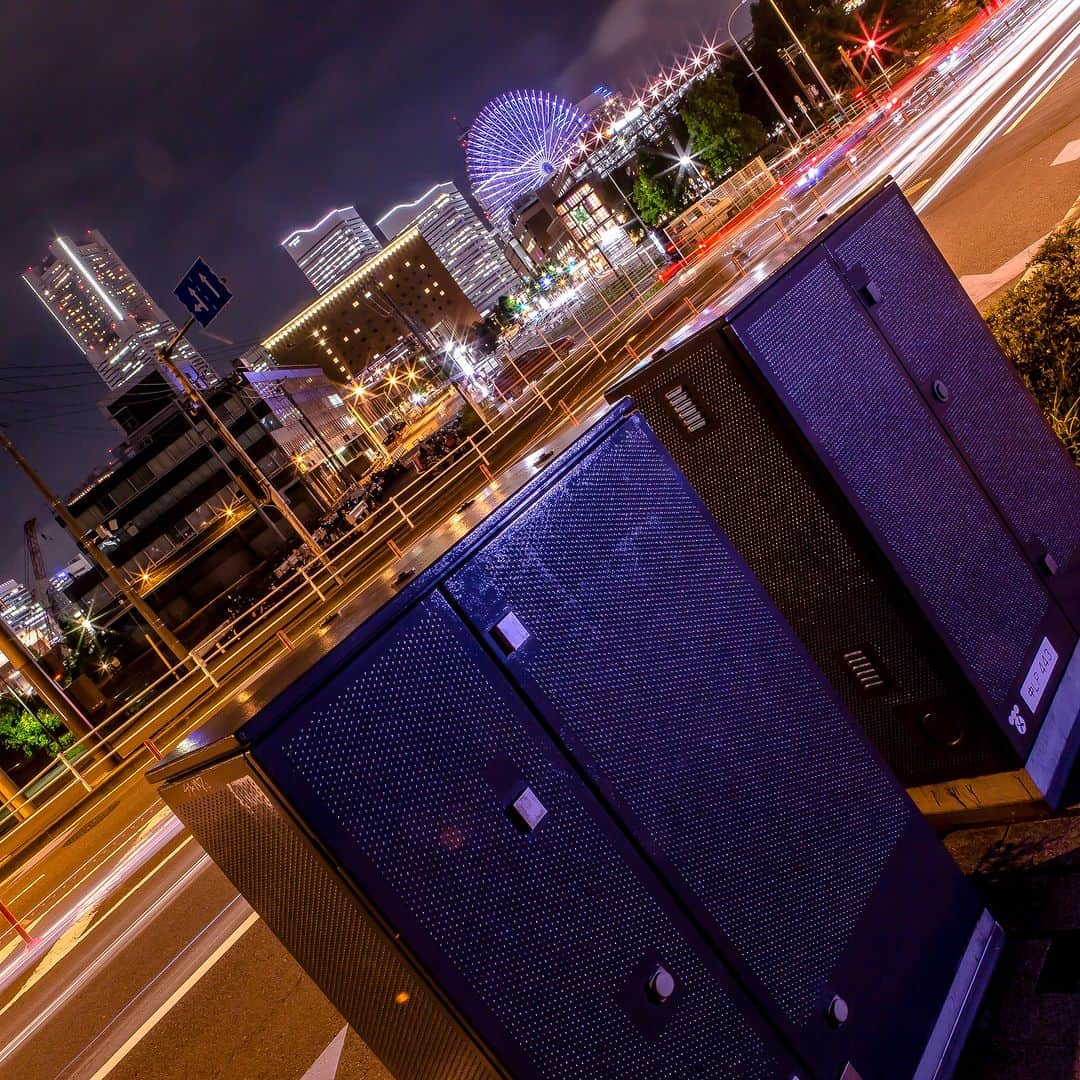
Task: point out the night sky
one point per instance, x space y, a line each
214 128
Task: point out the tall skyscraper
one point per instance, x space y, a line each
111 319
25 616
464 245
332 248
109 316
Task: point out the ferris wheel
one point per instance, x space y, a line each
519 140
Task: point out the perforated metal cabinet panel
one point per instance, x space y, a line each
938 334
406 763
278 871
742 461
814 341
663 666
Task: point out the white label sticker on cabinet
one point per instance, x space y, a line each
1039 675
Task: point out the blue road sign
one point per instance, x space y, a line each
202 292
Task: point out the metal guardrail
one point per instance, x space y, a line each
165 704
130 730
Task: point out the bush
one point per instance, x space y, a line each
1037 323
29 732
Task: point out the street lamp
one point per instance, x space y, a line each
686 160
806 56
757 74
872 45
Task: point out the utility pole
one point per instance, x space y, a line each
194 395
788 55
846 58
98 557
757 74
806 56
26 665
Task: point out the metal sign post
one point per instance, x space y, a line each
204 294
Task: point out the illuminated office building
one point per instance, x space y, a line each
404 294
108 315
24 615
332 248
468 250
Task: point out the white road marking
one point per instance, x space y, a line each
177 995
1069 152
24 889
91 900
1046 90
980 286
89 973
326 1064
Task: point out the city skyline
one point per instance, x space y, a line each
223 168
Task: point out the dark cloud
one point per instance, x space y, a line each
213 127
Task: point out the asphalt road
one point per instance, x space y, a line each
129 910
150 965
1011 193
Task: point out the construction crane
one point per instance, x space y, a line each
44 593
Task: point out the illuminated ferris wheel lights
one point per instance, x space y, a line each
515 144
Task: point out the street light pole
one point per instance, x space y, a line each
872 49
757 74
195 396
802 48
56 505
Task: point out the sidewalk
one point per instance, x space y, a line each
1029 874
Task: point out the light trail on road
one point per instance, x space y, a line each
101 961
1032 84
907 151
142 849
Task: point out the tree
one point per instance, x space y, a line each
917 23
655 193
485 333
30 731
507 310
1037 323
821 27
722 136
